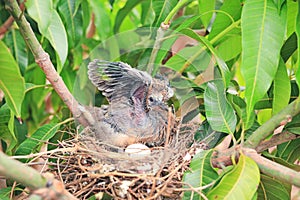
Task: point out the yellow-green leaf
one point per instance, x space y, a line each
11 81
239 183
263 29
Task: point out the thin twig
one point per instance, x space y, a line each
10 20
276 140
167 181
12 190
71 149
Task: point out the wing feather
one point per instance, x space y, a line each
117 80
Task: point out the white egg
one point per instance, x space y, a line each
138 150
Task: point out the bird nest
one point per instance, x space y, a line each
88 168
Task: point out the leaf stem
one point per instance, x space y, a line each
160 34
224 32
157 44
212 41
174 11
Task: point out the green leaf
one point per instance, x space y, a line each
187 23
264 115
295 130
230 48
282 161
282 88
82 91
69 77
270 188
201 173
278 4
262 37
239 183
72 18
298 36
289 47
229 13
16 44
197 65
86 15
162 8
208 136
294 125
6 192
41 12
7 128
289 151
147 15
219 112
168 42
37 96
38 138
221 64
102 19
292 7
239 106
123 12
56 34
206 9
11 81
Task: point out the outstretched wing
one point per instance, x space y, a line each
118 79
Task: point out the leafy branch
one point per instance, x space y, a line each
256 143
43 60
17 170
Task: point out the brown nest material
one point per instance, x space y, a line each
87 168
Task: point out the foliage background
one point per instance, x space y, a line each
238 71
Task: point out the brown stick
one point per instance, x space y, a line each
276 140
7 24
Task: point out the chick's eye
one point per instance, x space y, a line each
151 99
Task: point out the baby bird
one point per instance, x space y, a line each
137 109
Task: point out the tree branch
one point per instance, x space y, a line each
15 170
267 128
43 60
274 169
29 177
